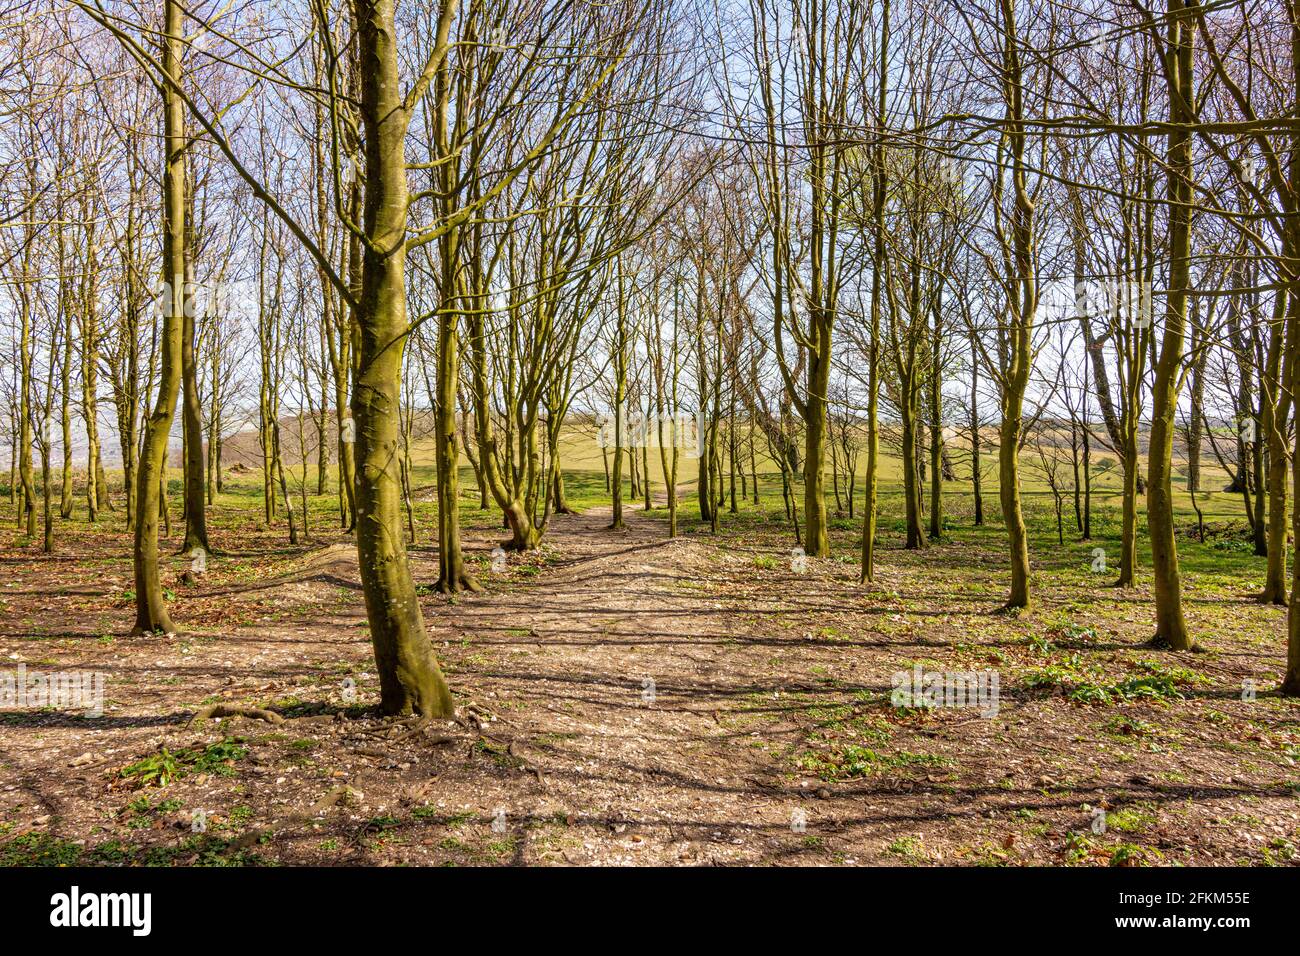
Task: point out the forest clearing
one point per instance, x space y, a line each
636 699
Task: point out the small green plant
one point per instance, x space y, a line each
218 758
156 770
381 823
1070 631
908 847
39 849
1133 819
1130 854
1078 847
1279 852
1153 681
1123 725
1041 644
142 811
161 768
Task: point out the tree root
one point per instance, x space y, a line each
523 762
462 583
517 546
1162 643
235 710
474 717
347 794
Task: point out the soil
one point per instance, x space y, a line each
629 699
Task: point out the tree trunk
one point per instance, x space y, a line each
196 525
1009 496
935 393
409 676
1171 628
1128 529
976 479
1024 306
1275 402
151 611
452 576
911 479
1291 682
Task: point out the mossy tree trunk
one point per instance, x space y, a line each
1275 407
411 682
935 395
151 610
1022 287
878 192
1171 628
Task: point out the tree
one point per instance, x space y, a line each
151 610
1171 627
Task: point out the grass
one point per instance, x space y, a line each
910 848
44 849
852 760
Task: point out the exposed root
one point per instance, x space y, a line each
461 584
474 717
1161 643
348 795
523 762
235 710
511 546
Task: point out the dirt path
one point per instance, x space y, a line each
627 662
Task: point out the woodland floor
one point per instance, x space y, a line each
642 701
